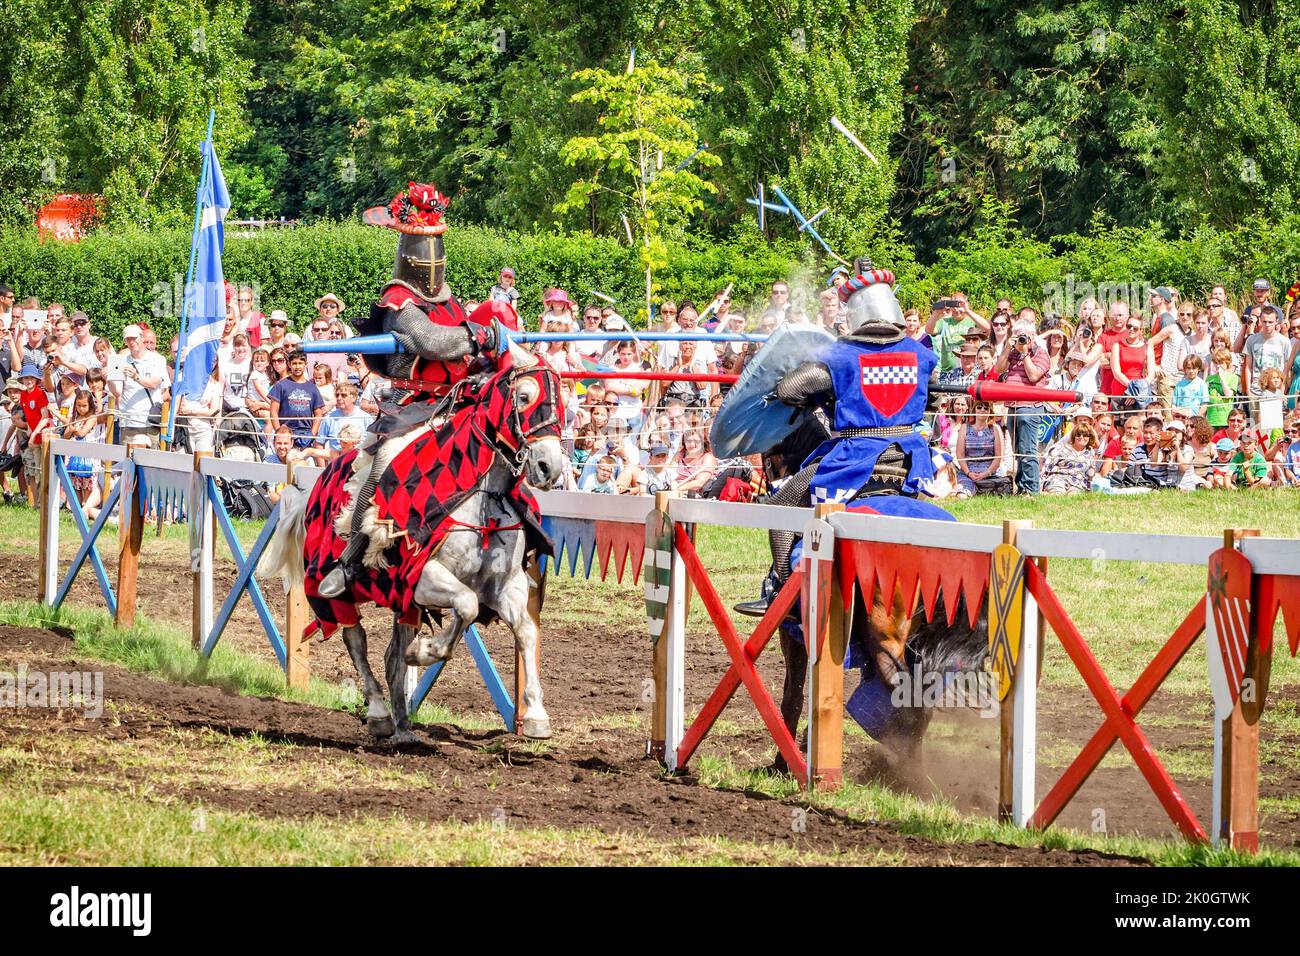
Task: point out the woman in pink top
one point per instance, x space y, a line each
695 463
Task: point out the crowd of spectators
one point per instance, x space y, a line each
1178 394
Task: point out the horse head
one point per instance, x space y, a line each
533 426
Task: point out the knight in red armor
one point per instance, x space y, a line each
441 346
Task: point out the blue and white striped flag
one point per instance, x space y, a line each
206 296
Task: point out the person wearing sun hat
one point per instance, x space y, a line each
558 306
328 309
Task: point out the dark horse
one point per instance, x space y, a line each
897 638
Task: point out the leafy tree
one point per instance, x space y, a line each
1033 104
641 162
783 71
1226 79
112 97
31 107
143 75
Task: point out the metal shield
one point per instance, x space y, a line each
751 420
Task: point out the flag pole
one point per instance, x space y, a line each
189 279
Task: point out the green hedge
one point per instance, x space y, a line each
122 277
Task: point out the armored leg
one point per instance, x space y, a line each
344 572
794 493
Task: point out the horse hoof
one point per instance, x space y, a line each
381 727
403 737
420 654
537 728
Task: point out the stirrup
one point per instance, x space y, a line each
756 608
338 581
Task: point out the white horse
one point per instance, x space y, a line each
478 572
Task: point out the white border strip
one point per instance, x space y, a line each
592 507
164 460
735 514
1117 546
1272 555
249 470
951 535
68 448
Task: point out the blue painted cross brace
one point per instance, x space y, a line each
491 680
244 578
88 538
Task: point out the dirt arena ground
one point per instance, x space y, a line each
594 773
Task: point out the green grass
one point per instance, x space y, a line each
83 827
20 534
938 820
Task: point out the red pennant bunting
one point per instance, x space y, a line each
876 566
620 539
1278 592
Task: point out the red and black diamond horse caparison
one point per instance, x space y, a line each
425 484
419 282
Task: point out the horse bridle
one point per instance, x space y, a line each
512 455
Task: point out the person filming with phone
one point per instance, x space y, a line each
143 375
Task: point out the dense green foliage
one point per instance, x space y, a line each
119 277
1071 116
122 277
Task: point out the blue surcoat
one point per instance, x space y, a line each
876 386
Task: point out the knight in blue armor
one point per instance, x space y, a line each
873 384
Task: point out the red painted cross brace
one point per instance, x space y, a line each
1119 711
743 658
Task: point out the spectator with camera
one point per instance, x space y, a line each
1025 363
950 320
139 389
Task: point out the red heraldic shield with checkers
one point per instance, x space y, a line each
888 380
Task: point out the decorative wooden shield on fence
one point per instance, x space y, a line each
657 571
1227 627
1006 605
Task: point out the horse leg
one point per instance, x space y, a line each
378 721
438 587
395 670
795 656
512 606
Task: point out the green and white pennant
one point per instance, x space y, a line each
657 571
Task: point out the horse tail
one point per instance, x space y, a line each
283 557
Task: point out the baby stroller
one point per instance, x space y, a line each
240 436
